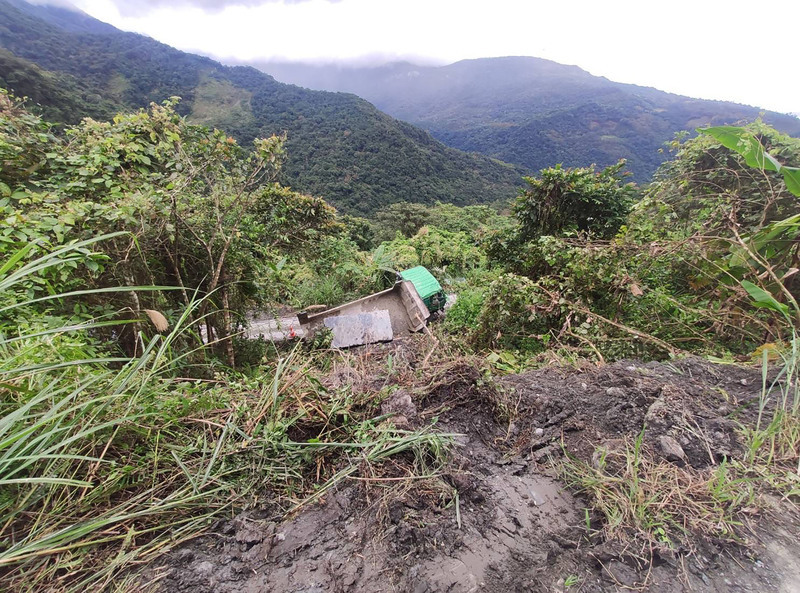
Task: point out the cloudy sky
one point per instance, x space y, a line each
714 49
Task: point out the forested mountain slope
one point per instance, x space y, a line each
339 146
529 111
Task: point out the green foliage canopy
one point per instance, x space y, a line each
706 187
198 211
561 201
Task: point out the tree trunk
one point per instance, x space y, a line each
227 327
209 330
131 346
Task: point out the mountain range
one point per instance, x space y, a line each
339 146
529 111
463 133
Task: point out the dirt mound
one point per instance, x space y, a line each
499 520
687 408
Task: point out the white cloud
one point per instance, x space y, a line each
144 7
58 3
709 49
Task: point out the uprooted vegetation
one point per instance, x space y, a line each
135 417
672 279
107 462
497 516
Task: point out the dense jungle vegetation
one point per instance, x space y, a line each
529 111
134 250
338 144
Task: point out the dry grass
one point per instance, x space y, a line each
106 464
647 501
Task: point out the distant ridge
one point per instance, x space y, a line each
529 111
339 147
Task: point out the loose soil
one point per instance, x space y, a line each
514 527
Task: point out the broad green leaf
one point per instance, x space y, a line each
772 160
739 258
791 175
745 143
773 231
12 261
764 299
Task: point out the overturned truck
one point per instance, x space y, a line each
380 317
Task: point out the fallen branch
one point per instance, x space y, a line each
634 332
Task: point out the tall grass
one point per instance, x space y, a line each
773 443
106 462
642 498
74 469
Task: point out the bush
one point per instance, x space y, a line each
563 201
517 314
462 317
705 188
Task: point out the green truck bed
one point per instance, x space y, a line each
428 288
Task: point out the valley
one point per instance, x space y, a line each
528 111
585 369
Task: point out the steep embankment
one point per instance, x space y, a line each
499 518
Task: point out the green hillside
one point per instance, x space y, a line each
340 146
61 97
530 111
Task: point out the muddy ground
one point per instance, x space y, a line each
515 527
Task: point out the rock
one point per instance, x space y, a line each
543 453
621 574
657 411
615 392
671 449
204 568
538 432
400 404
184 555
251 532
421 587
608 446
396 512
400 422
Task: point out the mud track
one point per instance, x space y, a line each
516 528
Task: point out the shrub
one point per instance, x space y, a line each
563 201
517 313
462 317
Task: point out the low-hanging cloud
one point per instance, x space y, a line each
56 3
142 7
450 30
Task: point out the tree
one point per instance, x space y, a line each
405 218
197 210
707 187
561 201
